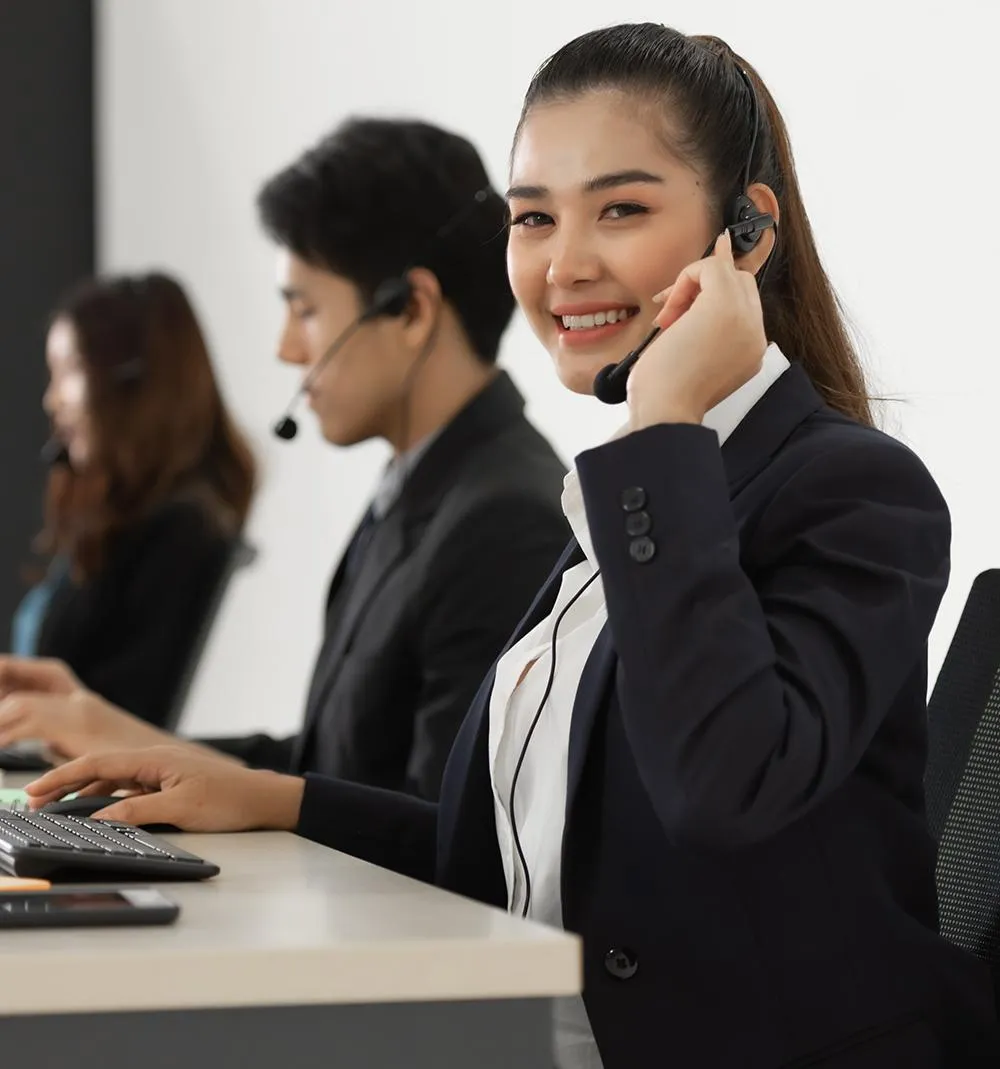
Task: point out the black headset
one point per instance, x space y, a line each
746 225
391 298
137 288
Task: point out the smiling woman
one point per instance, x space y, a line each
589 234
588 238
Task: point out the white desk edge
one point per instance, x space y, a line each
288 922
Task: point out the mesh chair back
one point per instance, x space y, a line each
963 775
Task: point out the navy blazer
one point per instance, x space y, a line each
745 854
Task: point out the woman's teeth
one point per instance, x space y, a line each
597 319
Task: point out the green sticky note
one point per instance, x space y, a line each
13 799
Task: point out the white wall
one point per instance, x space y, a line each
892 114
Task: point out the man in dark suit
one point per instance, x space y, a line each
466 522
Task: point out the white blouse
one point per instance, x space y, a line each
521 678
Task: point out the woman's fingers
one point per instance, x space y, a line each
39 674
129 768
719 269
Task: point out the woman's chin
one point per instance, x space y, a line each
577 372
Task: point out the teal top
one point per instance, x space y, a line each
29 616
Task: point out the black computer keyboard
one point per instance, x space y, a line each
57 846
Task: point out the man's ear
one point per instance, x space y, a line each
424 308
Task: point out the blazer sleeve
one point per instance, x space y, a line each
482 579
257 751
748 699
158 588
387 828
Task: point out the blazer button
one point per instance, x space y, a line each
621 964
633 498
638 523
642 550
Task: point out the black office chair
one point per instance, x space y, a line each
242 555
29 759
962 781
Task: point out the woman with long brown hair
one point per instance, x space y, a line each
149 488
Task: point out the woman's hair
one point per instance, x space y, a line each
708 121
159 428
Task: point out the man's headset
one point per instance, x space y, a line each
746 226
392 297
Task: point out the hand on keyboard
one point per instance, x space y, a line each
48 845
178 785
36 674
42 699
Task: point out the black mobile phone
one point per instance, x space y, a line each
71 907
22 757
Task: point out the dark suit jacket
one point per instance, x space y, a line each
129 632
745 852
445 577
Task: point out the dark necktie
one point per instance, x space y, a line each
359 544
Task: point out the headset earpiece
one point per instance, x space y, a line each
129 371
392 298
746 223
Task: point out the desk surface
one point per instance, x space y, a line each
288 922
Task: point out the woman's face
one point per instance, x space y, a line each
66 399
603 217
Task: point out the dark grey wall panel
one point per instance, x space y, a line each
46 237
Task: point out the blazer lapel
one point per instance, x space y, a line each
384 552
545 599
498 406
598 676
791 399
476 722
340 575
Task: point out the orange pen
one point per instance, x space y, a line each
20 883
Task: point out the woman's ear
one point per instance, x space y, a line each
764 200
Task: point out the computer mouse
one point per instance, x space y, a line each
87 805
78 806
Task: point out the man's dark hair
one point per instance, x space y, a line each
369 201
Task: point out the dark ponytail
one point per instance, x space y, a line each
697 80
801 312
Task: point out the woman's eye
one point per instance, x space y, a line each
620 211
531 220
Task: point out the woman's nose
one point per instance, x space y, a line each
572 262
